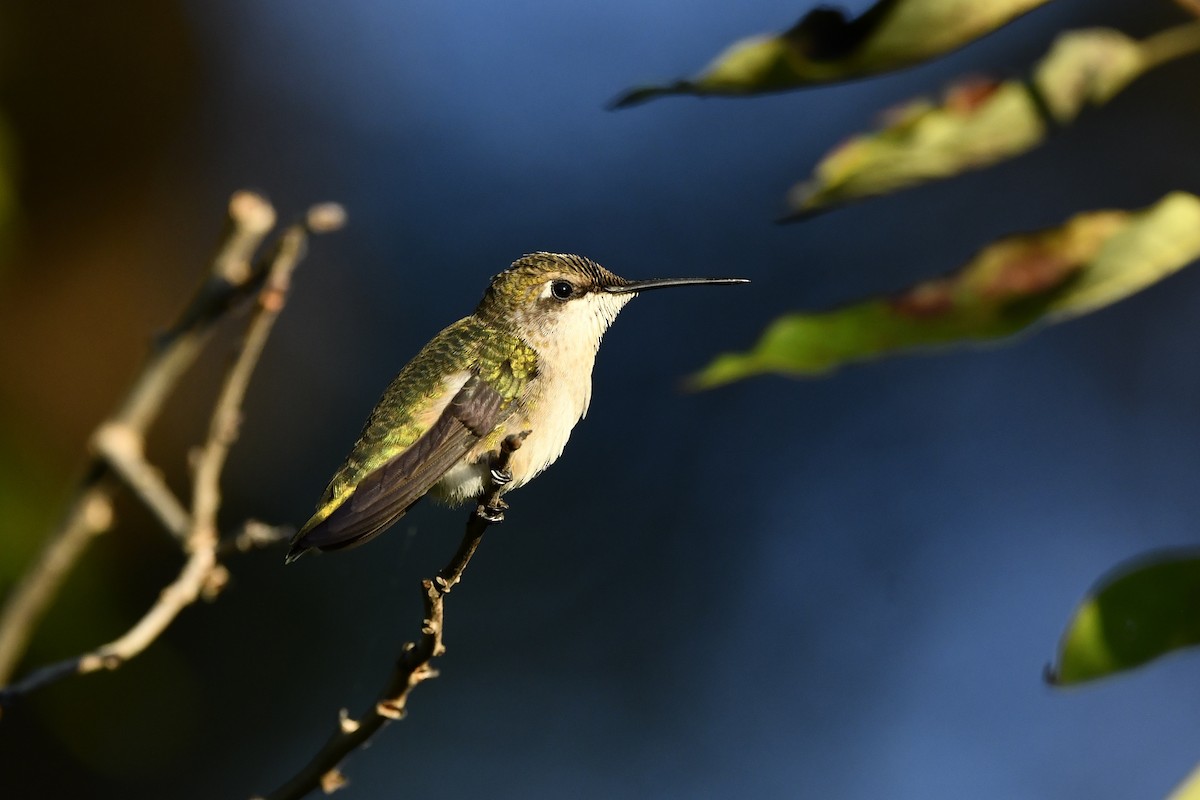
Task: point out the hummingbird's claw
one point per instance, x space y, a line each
492 512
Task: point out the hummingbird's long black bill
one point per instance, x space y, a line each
662 283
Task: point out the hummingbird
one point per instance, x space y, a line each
520 364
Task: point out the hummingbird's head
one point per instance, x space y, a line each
556 297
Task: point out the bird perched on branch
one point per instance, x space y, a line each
521 363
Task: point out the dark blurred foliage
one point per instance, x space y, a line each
843 588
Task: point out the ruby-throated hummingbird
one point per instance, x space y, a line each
521 362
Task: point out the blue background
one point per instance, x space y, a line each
844 587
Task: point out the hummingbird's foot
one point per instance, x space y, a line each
491 508
492 512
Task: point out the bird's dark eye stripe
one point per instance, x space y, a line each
562 290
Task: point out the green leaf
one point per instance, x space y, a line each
1095 259
825 46
1144 610
979 122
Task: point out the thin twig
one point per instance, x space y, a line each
90 513
223 427
121 447
413 666
198 574
202 574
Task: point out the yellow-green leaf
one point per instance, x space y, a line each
1095 259
1189 789
980 122
826 46
1144 610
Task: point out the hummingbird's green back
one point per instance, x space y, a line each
499 358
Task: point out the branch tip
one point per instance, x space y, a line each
97 513
118 455
513 443
325 218
333 780
115 438
345 723
251 211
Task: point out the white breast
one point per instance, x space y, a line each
559 397
553 402
552 406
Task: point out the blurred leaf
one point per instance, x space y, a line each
1189 789
980 122
825 46
1095 259
1145 609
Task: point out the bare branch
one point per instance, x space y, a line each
226 417
90 513
202 575
231 279
122 448
323 771
197 574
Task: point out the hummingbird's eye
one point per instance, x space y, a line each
562 290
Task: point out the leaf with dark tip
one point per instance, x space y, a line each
1095 259
1144 610
979 122
827 46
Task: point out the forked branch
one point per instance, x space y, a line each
118 448
230 278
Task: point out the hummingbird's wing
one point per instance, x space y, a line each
385 494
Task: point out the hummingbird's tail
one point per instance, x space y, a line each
341 530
